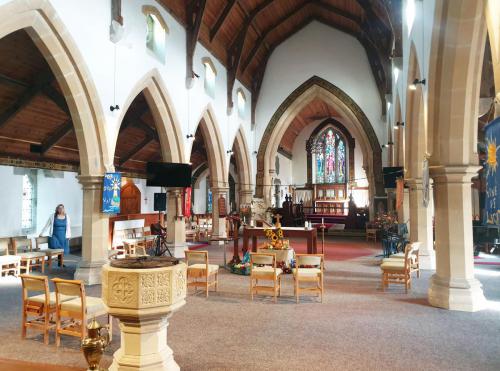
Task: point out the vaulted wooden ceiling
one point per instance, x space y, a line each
35 122
138 141
242 34
315 111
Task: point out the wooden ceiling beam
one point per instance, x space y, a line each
9 80
236 48
135 150
53 139
25 99
273 27
57 98
222 17
194 12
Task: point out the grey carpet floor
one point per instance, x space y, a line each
358 327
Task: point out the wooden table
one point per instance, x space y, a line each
311 235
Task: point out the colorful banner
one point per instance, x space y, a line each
492 138
187 202
400 188
111 193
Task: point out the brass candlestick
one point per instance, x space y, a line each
94 344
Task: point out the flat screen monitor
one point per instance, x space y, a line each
391 174
168 174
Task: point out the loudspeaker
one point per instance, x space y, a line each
160 202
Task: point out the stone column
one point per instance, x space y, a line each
421 224
454 286
95 231
246 196
176 226
218 223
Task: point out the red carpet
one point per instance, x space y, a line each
341 250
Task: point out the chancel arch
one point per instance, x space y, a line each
317 88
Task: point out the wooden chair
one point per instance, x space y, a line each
50 253
263 267
199 268
8 263
308 268
72 315
29 259
415 262
42 306
398 270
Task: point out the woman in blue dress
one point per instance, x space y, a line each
59 230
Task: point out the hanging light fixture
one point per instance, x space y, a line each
398 124
413 86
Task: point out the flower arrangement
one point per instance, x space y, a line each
275 238
242 268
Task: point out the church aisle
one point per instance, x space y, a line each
357 327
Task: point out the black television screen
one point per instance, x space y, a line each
390 176
168 174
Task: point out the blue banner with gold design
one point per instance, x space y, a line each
492 206
111 193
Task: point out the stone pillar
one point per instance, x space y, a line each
176 228
421 224
218 223
95 231
454 286
246 196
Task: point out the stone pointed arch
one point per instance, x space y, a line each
399 139
314 88
40 20
244 165
215 148
455 66
493 24
162 110
416 135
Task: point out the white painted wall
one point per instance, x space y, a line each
330 54
53 188
147 195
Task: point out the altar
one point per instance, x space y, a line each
284 257
311 236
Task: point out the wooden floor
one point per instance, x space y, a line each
11 365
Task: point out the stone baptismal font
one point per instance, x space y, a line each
143 293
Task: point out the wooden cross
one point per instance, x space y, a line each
278 220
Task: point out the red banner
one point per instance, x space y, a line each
187 202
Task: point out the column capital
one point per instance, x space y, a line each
453 173
220 189
175 191
90 181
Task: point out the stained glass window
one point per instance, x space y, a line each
28 204
329 153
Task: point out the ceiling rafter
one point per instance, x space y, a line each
139 147
27 96
236 48
194 12
54 138
9 80
222 17
273 26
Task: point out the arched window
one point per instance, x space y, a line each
28 204
210 73
156 32
241 102
329 157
